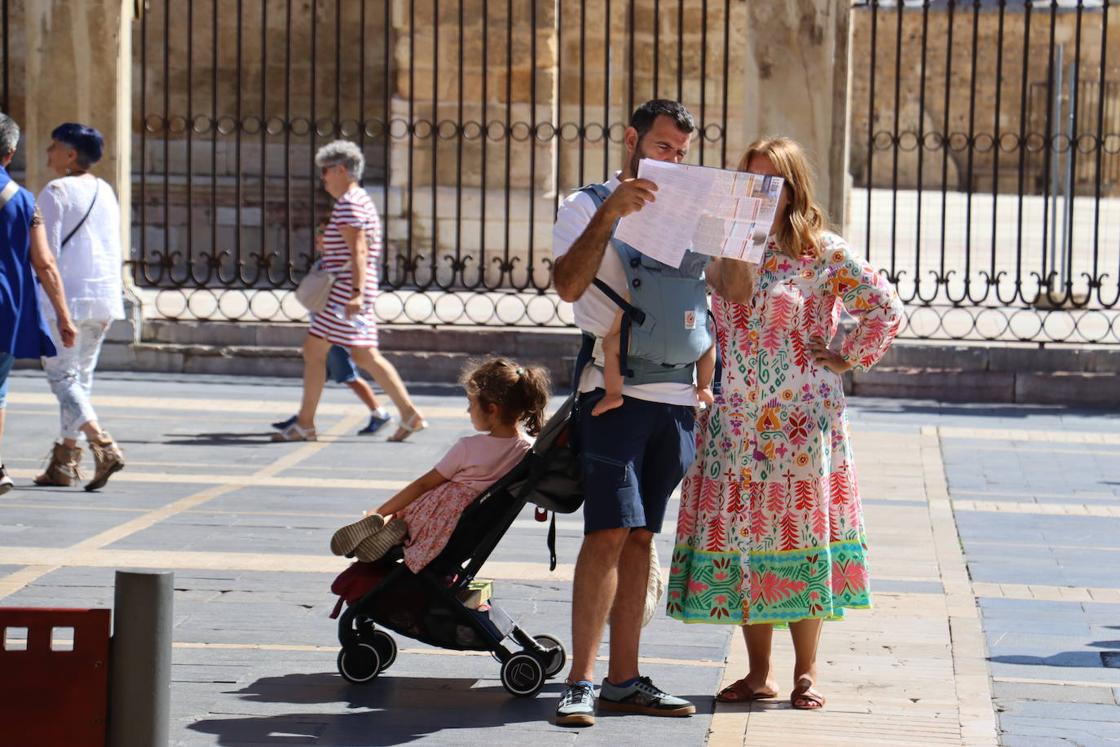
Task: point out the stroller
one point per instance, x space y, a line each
427 605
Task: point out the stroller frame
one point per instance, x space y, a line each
444 621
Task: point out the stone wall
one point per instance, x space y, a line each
556 73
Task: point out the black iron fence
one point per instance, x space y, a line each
986 157
985 148
476 118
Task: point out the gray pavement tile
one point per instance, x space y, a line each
1041 529
1073 731
1020 691
24 527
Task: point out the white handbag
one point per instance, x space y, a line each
314 290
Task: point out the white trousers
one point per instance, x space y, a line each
70 374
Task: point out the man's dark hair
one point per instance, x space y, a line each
643 117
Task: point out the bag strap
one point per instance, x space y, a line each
552 543
9 191
630 314
74 230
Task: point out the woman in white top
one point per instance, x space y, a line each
82 219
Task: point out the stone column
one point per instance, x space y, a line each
796 84
79 69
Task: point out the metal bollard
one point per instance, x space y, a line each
140 660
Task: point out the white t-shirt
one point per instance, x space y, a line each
594 312
90 263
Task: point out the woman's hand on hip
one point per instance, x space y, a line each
827 358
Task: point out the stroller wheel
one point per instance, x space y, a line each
359 663
386 648
522 675
556 662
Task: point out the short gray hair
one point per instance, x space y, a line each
342 153
9 134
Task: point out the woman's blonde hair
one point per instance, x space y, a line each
800 228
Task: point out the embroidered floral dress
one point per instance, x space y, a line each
770 527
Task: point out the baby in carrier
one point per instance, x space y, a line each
613 380
504 398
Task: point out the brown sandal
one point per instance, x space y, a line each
805 698
740 692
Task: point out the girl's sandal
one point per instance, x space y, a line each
377 544
345 540
405 429
295 433
805 698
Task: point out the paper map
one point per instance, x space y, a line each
711 211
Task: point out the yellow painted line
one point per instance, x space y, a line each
1047 593
1018 434
67 507
19 579
977 720
93 554
361 471
1040 509
233 482
259 406
13 582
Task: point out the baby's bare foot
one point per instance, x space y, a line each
609 402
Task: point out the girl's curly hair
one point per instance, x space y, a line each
519 392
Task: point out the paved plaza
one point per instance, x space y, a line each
995 537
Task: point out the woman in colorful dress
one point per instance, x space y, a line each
770 530
352 251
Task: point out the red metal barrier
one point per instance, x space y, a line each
51 696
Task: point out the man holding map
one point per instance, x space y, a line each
632 456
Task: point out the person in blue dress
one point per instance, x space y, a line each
24 256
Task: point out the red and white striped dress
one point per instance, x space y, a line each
353 209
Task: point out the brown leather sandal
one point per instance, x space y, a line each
805 698
740 692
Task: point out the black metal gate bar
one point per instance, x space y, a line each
1099 160
1044 255
6 108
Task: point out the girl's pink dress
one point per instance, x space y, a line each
473 464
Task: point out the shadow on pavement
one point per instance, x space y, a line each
1080 659
389 710
218 439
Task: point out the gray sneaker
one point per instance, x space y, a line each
642 697
577 705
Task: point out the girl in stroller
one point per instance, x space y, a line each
504 398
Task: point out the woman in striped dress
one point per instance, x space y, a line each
352 251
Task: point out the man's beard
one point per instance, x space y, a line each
634 159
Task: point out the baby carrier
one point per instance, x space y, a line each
430 606
666 326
